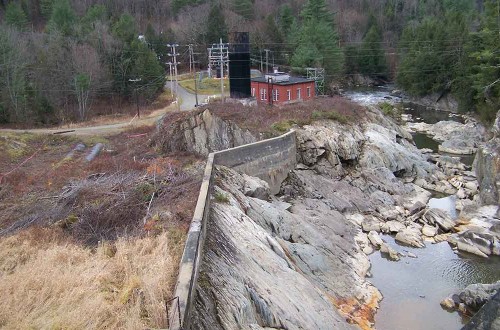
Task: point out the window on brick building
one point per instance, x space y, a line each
308 91
276 95
253 92
263 94
289 95
299 96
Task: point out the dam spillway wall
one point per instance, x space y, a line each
269 160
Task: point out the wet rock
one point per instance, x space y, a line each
375 239
389 251
411 255
475 296
411 237
448 304
439 217
466 245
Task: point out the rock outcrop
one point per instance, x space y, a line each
441 102
266 257
266 266
200 133
488 172
454 137
472 298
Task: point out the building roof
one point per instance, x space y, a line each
291 81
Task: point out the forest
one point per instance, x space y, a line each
59 57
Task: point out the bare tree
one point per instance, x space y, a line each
88 74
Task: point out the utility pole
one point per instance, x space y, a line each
170 77
192 67
191 58
261 65
267 60
174 55
221 71
136 89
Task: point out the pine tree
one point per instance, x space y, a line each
125 29
62 18
484 62
432 53
286 19
317 32
216 25
371 56
243 8
15 16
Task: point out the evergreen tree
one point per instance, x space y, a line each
95 13
482 82
371 56
243 8
15 16
286 19
125 29
147 68
62 18
317 41
216 25
46 7
432 53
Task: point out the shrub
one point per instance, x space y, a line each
221 197
331 115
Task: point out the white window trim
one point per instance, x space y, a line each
308 91
276 95
299 93
289 94
253 91
263 94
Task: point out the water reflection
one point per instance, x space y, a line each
446 204
413 288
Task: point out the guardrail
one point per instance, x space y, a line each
270 160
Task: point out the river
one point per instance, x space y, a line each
413 287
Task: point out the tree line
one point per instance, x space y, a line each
55 74
425 46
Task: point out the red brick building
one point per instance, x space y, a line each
280 88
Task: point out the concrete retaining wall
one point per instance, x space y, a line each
270 160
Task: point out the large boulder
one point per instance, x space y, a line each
487 164
475 296
441 218
201 133
410 236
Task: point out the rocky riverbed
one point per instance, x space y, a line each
299 259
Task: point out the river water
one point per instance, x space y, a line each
413 287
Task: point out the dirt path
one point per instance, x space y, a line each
187 102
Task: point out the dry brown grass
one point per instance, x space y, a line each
91 246
49 282
272 120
